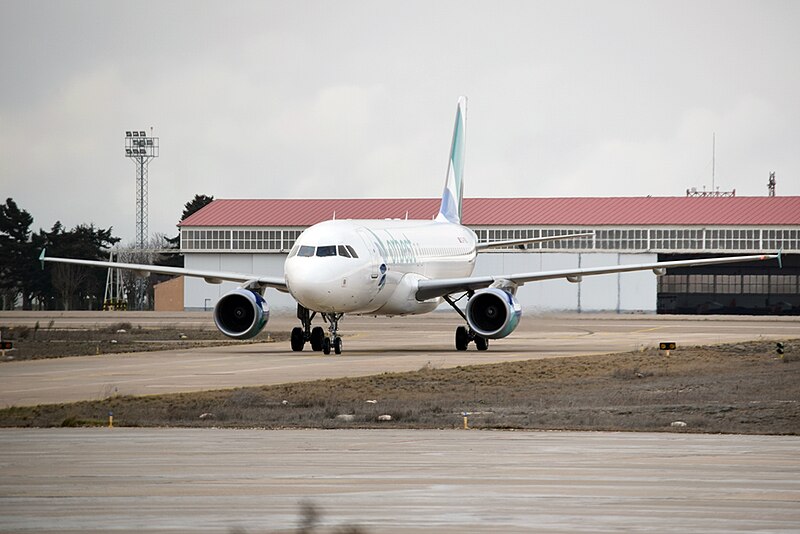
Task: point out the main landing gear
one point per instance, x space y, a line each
316 336
465 334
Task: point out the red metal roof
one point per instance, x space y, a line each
605 211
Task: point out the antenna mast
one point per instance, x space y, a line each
693 192
713 160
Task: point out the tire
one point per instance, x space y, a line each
297 339
481 343
337 345
326 346
462 338
317 337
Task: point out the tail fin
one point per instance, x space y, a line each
450 210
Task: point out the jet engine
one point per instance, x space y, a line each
493 313
241 314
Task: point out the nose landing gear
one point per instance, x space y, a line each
316 336
333 341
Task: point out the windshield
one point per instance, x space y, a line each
326 250
306 251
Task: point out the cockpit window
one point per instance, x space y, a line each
305 251
295 248
326 250
345 251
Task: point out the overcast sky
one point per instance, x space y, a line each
357 99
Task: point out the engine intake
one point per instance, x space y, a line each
241 314
493 313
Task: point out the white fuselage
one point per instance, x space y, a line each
392 256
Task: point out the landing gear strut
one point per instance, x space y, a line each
316 336
465 334
333 340
301 334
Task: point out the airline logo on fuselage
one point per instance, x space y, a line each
393 250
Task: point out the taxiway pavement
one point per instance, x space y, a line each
385 481
371 346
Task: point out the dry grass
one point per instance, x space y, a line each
46 342
742 388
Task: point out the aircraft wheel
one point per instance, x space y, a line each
337 345
297 339
462 338
326 346
481 343
317 338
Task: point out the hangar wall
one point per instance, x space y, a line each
627 292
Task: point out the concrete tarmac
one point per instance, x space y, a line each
371 346
255 481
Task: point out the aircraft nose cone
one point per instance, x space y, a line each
317 287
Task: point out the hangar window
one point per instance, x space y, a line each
783 284
701 283
579 243
289 238
673 283
729 283
782 239
755 284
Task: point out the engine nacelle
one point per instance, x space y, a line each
241 314
493 313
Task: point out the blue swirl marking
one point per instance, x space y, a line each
383 268
382 282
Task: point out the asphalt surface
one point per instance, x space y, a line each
371 346
255 481
129 480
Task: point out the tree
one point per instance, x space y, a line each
81 287
17 257
195 205
174 259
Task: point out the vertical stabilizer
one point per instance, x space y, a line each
450 210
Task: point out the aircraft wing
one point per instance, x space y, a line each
429 289
520 242
212 277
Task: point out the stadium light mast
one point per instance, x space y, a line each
141 149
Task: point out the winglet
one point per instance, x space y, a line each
41 257
780 259
450 210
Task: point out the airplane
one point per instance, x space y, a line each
392 267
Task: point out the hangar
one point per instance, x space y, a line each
256 235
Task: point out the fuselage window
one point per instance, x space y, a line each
326 250
343 251
352 251
305 251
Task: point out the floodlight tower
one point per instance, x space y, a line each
141 149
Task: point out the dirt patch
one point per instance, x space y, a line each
47 342
744 388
